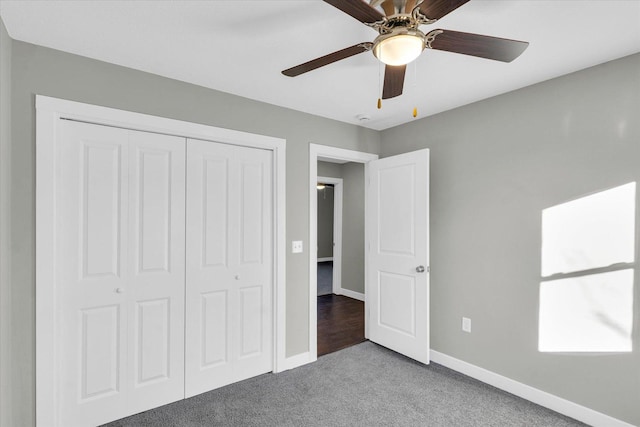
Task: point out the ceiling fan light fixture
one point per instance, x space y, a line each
399 47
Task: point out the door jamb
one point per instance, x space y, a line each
320 152
48 113
337 232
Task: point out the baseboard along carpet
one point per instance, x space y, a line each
363 385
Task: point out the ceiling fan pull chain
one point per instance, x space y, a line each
379 85
415 86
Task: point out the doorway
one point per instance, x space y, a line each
343 306
329 234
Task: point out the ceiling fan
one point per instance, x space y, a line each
400 39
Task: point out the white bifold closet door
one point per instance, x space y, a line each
229 265
120 207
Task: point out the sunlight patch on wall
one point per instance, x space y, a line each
586 292
590 232
592 313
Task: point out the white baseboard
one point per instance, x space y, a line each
351 294
296 361
542 398
325 259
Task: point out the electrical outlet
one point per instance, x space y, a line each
466 324
296 246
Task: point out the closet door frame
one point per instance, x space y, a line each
49 111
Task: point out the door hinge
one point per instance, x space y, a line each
428 269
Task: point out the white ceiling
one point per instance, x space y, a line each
240 47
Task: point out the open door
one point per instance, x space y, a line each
397 293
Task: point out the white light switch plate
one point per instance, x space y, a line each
296 246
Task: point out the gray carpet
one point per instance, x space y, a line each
363 385
325 278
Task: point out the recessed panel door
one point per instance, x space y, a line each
92 216
156 277
398 259
120 285
229 265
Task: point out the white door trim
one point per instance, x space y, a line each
337 232
325 152
48 113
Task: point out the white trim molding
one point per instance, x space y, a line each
49 111
296 361
542 398
351 294
325 152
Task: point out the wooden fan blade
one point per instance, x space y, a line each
488 47
327 59
409 5
393 81
358 9
388 7
436 9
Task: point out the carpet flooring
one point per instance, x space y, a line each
325 278
363 385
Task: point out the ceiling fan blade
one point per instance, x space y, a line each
388 7
409 5
393 81
436 9
327 59
358 9
488 47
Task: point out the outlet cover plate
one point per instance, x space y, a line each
466 324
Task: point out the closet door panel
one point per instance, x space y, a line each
210 287
229 258
253 346
92 213
120 256
156 277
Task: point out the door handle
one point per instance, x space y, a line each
119 290
420 269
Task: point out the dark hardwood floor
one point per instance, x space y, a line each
340 323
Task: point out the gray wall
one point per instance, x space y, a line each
39 70
352 221
325 222
495 165
333 170
353 227
325 210
5 226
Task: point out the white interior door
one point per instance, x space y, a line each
398 253
229 264
120 272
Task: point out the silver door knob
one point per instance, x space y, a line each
237 277
420 269
119 290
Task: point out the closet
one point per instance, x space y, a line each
164 269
